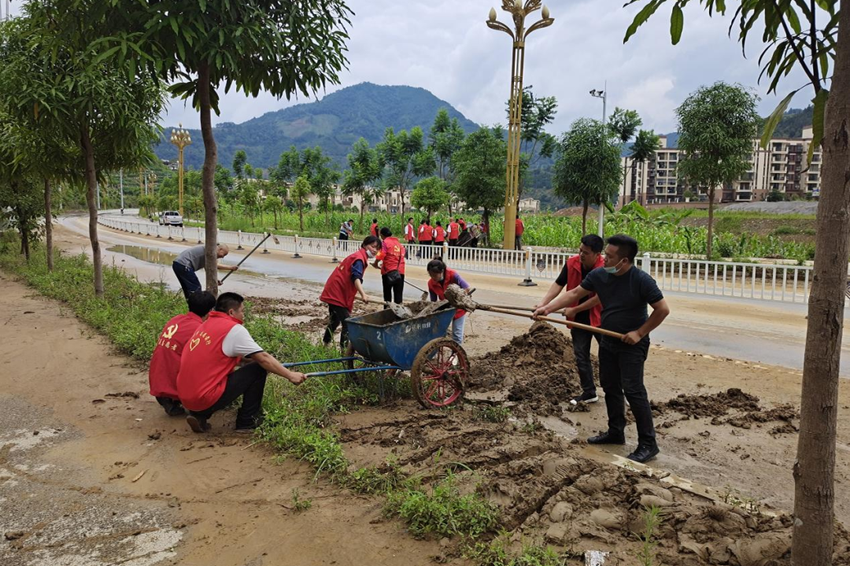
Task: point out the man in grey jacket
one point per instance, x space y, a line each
191 260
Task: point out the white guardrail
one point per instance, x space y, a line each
770 282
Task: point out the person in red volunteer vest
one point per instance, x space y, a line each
392 267
373 229
426 234
165 362
454 232
343 285
410 232
209 379
519 229
587 311
439 234
440 279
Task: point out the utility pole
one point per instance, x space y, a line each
603 94
121 183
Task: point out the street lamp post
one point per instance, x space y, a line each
518 13
181 139
603 94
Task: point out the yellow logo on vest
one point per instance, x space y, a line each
170 332
194 343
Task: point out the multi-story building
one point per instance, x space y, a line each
782 167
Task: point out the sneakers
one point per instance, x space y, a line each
198 424
584 398
644 453
607 438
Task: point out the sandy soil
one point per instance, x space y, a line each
727 431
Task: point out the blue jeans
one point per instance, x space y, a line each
187 278
457 329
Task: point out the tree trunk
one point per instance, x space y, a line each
301 215
584 217
207 180
625 171
362 207
91 201
25 240
710 222
814 469
48 225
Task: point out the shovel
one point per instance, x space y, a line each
260 243
461 300
424 292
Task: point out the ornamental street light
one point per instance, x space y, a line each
603 94
181 139
518 34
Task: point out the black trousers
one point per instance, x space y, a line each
621 377
581 348
248 381
338 316
393 291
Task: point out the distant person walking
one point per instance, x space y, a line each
520 228
192 260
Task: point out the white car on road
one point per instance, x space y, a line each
170 218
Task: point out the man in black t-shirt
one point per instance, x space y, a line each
624 292
586 311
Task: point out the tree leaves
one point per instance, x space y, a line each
642 17
774 118
677 23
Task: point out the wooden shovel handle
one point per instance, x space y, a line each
569 323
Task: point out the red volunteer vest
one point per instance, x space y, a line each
394 257
462 225
520 227
425 233
439 289
165 362
204 367
454 230
374 230
441 235
574 280
409 234
339 289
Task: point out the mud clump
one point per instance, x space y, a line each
714 405
536 369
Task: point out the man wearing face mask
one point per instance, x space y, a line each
624 292
344 284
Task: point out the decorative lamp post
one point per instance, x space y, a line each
603 94
518 34
181 139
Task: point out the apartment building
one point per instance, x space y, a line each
782 167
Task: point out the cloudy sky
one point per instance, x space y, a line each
444 46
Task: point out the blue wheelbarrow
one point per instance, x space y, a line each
380 342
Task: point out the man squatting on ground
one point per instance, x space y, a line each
391 257
624 292
165 362
193 259
209 380
586 311
344 284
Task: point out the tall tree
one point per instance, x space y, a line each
808 36
444 139
717 125
643 149
624 124
364 169
430 194
278 46
301 190
60 86
315 167
588 166
480 170
406 157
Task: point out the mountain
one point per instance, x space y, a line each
335 122
792 123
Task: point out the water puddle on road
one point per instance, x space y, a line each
161 257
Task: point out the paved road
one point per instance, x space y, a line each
756 331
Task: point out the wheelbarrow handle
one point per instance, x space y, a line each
569 323
260 243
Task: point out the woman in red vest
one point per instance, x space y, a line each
392 267
373 229
343 285
409 232
207 381
439 234
440 279
165 362
454 232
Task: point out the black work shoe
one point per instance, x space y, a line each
644 453
584 398
328 337
175 410
251 425
607 438
198 424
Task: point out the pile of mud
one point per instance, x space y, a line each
547 491
536 369
746 410
304 315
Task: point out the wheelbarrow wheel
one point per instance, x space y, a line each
439 373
